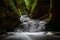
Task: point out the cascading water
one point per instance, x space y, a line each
30 29
30 25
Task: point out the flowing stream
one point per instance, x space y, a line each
30 25
30 29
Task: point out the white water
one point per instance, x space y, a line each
31 30
31 25
27 36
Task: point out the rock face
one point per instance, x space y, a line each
54 24
9 19
41 9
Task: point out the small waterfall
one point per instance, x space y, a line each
30 29
30 25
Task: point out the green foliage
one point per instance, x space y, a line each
30 5
50 14
24 6
12 5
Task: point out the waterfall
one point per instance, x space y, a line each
30 29
30 25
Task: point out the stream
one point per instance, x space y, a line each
30 29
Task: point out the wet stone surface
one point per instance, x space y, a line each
31 25
30 29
